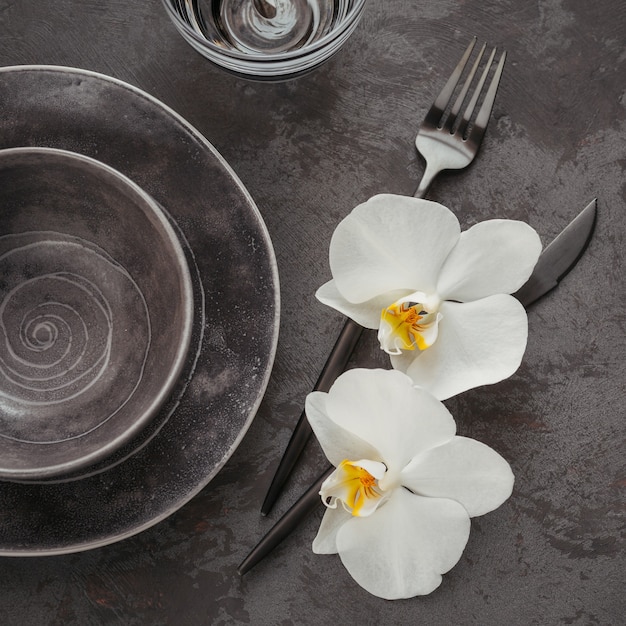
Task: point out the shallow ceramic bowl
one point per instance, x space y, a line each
96 311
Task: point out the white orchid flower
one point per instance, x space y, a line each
405 488
439 297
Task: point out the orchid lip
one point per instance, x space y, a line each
410 322
356 485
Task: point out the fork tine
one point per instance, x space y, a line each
479 87
482 119
441 102
468 81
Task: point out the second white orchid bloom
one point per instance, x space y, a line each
405 488
439 297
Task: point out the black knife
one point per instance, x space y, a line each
556 260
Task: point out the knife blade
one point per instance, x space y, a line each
554 263
560 256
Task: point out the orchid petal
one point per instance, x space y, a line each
391 243
385 410
495 256
402 362
325 541
366 314
403 549
479 343
464 470
336 442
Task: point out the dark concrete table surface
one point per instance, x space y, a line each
308 151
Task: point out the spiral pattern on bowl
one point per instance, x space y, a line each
74 336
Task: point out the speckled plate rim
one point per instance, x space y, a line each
80 545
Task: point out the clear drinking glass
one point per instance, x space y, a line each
266 39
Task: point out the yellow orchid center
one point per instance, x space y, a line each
355 485
409 323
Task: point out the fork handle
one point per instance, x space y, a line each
427 178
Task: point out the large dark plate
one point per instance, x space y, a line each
235 291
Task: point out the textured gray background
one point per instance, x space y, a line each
308 151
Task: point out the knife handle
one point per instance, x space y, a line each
303 507
335 365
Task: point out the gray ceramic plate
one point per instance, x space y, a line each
96 311
234 274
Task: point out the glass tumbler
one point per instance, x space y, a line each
266 39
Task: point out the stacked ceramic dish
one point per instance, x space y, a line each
96 312
130 253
